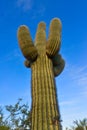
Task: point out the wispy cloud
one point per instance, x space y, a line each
29 5
78 77
39 12
65 103
10 56
24 4
78 74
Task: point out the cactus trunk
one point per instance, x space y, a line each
44 100
45 61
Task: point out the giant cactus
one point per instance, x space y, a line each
45 61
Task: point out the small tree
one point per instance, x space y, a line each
1 116
3 123
4 128
19 115
81 124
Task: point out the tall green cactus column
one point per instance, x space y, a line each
45 61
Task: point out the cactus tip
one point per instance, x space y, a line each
55 23
42 25
56 20
22 27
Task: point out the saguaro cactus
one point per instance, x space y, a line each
45 61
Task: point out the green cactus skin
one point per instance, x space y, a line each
54 39
58 64
45 64
26 43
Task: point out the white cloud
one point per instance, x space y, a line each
38 12
24 4
63 103
78 77
78 74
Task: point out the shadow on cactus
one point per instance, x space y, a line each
44 59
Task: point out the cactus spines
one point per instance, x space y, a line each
58 64
54 39
40 39
26 43
45 63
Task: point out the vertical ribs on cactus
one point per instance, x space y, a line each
54 39
26 43
44 59
58 64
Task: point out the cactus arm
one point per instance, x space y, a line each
54 39
40 34
58 64
26 45
56 59
27 63
40 39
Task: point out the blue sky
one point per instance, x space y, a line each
15 79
